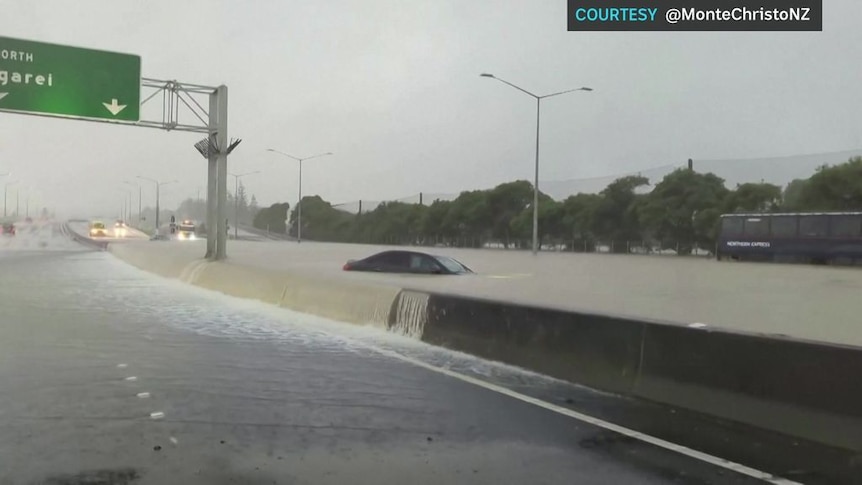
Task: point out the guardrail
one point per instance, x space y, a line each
267 234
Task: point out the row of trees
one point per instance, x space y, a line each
240 206
680 212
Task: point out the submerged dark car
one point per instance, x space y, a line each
7 229
408 262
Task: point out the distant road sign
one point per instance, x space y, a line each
36 77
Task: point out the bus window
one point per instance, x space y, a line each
784 226
845 226
731 226
756 227
812 226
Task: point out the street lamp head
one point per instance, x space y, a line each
485 74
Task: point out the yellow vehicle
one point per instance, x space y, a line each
97 229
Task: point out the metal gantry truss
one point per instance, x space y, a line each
181 109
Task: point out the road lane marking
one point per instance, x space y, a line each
122 366
131 378
683 450
157 415
174 440
508 276
143 395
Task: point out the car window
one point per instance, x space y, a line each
376 259
423 263
395 259
451 264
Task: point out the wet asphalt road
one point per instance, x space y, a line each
239 393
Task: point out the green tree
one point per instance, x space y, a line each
432 222
272 218
616 216
791 199
752 197
321 221
578 220
392 222
550 221
837 187
505 202
683 209
469 218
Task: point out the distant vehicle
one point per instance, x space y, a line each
408 262
28 220
800 237
97 229
186 230
7 229
159 237
120 228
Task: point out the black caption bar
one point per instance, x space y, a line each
708 15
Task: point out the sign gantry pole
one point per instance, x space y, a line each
50 80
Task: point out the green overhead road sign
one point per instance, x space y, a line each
69 81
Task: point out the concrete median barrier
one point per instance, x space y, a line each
797 387
337 300
80 238
800 388
596 351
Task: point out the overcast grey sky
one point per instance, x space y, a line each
392 87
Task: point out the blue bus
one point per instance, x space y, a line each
793 237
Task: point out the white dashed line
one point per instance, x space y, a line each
122 366
697 325
174 440
157 415
131 378
143 395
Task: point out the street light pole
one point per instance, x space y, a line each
158 197
139 200
536 175
5 196
299 204
236 178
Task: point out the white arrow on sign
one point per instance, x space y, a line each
3 95
114 108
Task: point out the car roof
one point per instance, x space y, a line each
399 251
